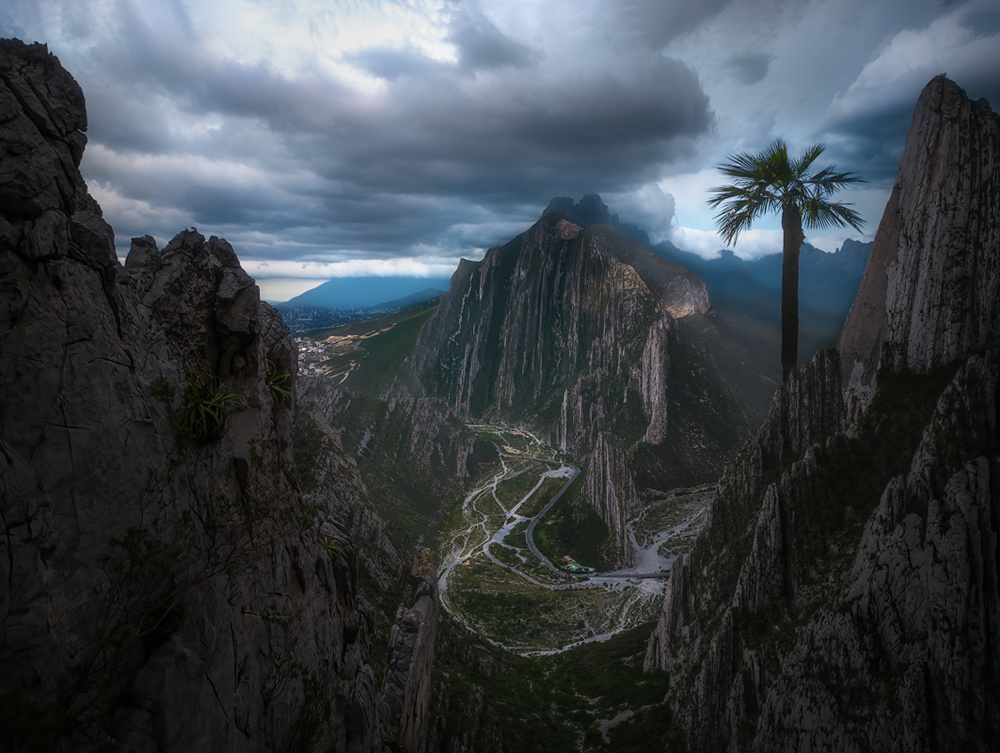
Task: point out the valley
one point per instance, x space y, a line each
505 575
564 507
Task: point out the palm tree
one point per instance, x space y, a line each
771 182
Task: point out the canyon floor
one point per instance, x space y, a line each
519 570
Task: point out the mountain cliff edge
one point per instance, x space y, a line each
844 592
165 585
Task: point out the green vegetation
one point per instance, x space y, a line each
542 496
208 403
374 324
546 610
551 704
511 491
376 355
573 528
331 547
278 384
162 389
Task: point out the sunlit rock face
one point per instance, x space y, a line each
844 594
165 588
591 341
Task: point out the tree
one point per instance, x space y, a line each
771 182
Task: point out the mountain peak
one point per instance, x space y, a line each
929 293
590 211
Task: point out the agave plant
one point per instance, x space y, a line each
278 383
208 404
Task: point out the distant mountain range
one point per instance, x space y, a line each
826 280
343 300
739 289
368 292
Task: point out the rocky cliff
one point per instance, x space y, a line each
388 470
165 586
844 593
935 245
592 341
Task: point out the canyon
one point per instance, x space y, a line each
205 550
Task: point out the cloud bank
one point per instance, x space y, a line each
414 132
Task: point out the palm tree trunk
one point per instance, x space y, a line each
791 224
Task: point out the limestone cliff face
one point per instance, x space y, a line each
554 326
592 341
609 488
930 288
844 593
164 585
388 470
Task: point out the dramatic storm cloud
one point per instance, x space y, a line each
385 135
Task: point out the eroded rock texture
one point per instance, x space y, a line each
164 586
599 346
931 285
844 594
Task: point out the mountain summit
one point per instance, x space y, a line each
590 210
602 348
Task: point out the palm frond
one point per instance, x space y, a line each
818 213
828 182
767 181
803 163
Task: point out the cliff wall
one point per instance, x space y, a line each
165 586
844 593
600 347
934 246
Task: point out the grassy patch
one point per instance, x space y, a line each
573 528
553 703
549 488
381 355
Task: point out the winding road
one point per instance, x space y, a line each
571 472
489 536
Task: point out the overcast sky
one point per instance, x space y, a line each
333 137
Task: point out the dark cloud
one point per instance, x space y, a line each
609 133
660 21
868 123
453 132
190 75
482 46
432 138
870 144
749 67
984 18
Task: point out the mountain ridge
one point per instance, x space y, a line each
845 588
748 292
166 586
592 341
365 292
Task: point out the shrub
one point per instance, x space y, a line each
208 403
279 384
